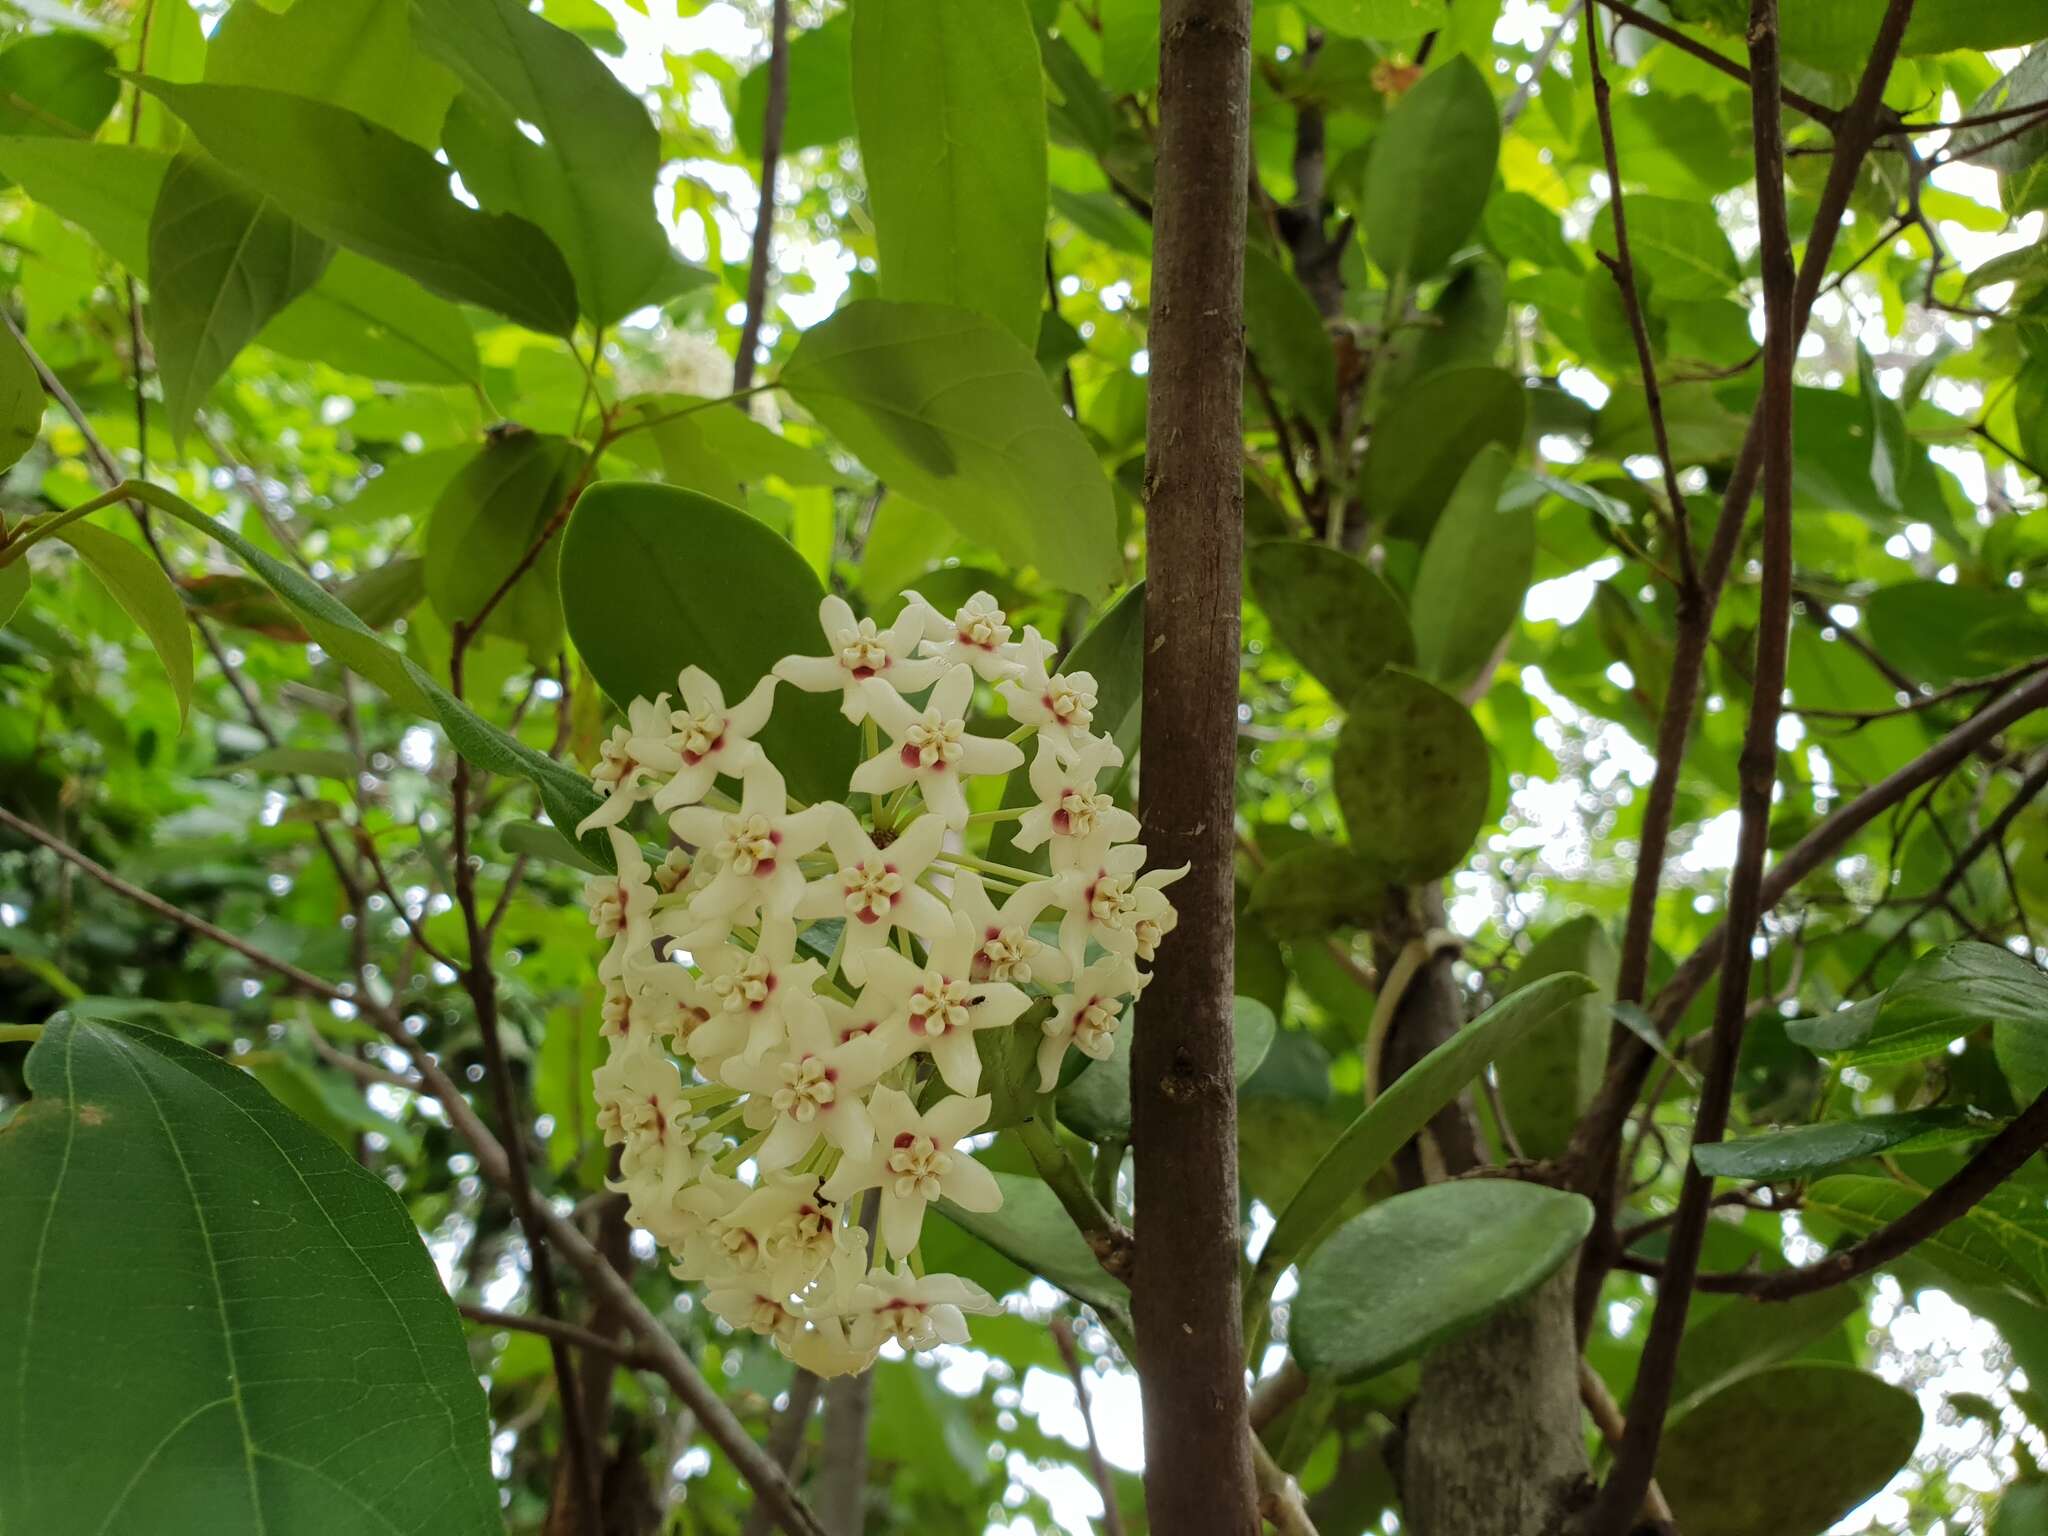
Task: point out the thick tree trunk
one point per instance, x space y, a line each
1198 1470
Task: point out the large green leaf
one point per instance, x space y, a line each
58 83
1431 168
21 403
1475 572
1030 1228
107 190
1729 1337
357 54
1547 1080
1412 777
1382 19
361 185
1370 1141
145 594
269 1349
1288 335
1944 993
820 107
1812 1441
1678 245
1426 438
1410 1272
952 412
1317 887
717 451
1940 632
499 506
223 260
655 579
2002 1240
1805 1150
950 98
367 319
1337 615
589 180
1097 1103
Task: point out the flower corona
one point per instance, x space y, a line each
795 996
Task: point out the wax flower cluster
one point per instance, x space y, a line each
792 993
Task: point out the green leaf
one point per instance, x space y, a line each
13 588
719 451
1339 617
1547 1080
1702 430
1812 1441
497 508
1371 1141
1432 165
284 761
1412 777
1805 1150
1940 632
1097 1103
357 54
1887 427
656 579
1315 888
363 186
21 403
1030 1228
1463 329
1382 19
1475 572
107 190
950 98
1288 335
145 594
954 414
1410 1272
1678 245
589 182
2002 1240
1942 994
59 83
1130 46
2022 1510
1835 34
245 1235
820 91
366 319
536 840
1425 439
223 260
1732 1337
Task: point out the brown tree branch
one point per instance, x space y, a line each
786 1443
1820 112
1184 1285
555 1330
772 118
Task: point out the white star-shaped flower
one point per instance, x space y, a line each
637 752
919 1312
1087 1017
1060 704
709 738
756 849
933 749
861 656
875 889
1076 819
764 996
1005 949
913 1162
813 1085
936 1007
622 906
978 636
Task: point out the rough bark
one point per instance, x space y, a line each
1494 1446
1198 1469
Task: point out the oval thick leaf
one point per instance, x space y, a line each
494 510
1097 1103
58 83
1371 1140
954 413
1729 1337
1431 168
363 186
169 1210
655 579
145 594
21 403
1812 1441
1412 777
1427 437
1805 1150
1475 573
1425 1266
367 319
1315 888
1547 1080
950 98
1679 245
1339 618
1288 335
223 260
357 54
1031 1229
1943 994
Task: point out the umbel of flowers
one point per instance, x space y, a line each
792 992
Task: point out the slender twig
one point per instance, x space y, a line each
1820 112
786 1443
557 1331
1606 1415
773 116
1105 1485
1924 700
1623 267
